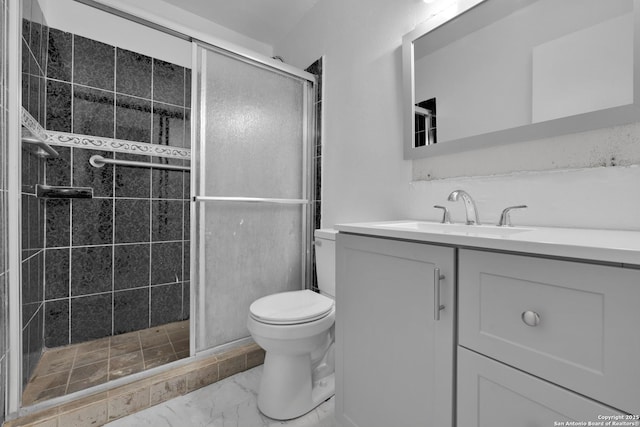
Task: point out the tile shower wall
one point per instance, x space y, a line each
34 51
34 39
4 268
316 69
100 90
118 262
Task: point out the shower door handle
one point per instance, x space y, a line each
437 277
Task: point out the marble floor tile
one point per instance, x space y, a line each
230 402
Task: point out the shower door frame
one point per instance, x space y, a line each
13 389
197 250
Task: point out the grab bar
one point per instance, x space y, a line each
251 200
99 161
45 149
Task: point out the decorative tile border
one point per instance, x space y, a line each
99 143
118 145
32 124
106 406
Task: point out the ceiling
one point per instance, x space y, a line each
268 21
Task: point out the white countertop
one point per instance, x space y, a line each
616 246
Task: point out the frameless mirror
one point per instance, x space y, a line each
518 70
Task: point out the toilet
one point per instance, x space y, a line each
296 331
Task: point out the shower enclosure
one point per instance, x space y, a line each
247 231
252 186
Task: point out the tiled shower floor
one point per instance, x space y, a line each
64 370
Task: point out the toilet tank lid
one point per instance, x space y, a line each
325 233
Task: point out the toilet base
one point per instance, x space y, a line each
286 388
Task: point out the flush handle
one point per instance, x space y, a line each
530 318
437 277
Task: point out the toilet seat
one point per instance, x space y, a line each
291 308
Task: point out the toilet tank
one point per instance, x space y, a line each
325 245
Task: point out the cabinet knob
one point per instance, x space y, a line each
530 318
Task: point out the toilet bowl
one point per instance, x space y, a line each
296 331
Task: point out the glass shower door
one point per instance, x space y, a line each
251 178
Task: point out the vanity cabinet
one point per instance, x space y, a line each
523 340
570 323
394 360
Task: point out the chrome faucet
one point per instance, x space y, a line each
469 205
446 216
505 219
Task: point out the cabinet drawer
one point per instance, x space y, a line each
491 394
587 335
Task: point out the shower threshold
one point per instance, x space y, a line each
68 369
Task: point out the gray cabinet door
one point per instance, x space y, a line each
394 361
491 394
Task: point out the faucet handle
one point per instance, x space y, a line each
446 216
505 219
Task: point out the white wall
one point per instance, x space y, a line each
575 180
364 176
600 197
77 18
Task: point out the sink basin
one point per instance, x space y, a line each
461 229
